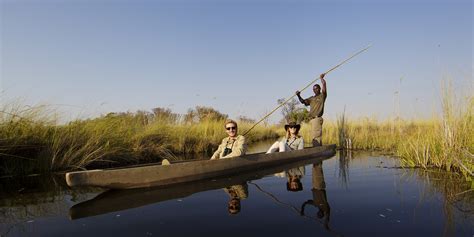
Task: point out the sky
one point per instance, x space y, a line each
90 57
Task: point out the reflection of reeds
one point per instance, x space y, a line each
31 140
345 157
458 198
23 199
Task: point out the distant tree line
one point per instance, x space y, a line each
291 111
196 115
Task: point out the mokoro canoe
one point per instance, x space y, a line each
118 200
162 175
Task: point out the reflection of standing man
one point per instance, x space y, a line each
319 195
316 103
236 193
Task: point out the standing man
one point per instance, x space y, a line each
316 103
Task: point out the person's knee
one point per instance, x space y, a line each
282 146
274 147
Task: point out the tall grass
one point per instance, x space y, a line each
449 142
23 131
362 133
445 141
435 143
31 141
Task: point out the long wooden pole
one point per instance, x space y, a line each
312 82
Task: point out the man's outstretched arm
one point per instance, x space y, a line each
323 82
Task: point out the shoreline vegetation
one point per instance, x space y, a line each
31 141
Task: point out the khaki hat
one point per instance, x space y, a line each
292 124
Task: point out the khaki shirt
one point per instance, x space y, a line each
237 144
316 103
237 191
294 143
296 172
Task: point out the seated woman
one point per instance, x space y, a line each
292 141
231 146
294 179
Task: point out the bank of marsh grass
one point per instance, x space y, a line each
445 141
31 141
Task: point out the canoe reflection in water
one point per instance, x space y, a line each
236 187
319 195
236 193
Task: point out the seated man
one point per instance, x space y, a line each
236 193
231 146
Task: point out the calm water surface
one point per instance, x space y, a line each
356 194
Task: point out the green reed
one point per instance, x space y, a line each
31 141
447 142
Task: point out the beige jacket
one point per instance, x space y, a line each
294 143
238 191
238 146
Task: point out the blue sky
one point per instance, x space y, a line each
93 57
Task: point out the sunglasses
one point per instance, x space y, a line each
231 128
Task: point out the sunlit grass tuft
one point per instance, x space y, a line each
448 142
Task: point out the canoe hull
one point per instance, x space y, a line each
119 200
163 175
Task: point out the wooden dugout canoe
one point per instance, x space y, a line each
163 175
118 200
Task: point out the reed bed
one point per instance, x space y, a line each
435 143
445 141
363 133
448 141
31 141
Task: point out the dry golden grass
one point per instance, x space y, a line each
31 141
445 141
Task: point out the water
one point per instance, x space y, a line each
365 194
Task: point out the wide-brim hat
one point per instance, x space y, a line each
298 187
292 124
